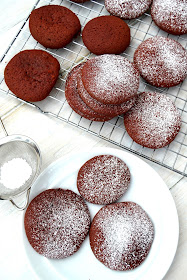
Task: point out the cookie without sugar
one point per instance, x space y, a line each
54 26
31 74
106 35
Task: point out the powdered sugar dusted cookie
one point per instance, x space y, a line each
56 223
103 179
121 235
170 15
127 9
161 61
153 121
110 79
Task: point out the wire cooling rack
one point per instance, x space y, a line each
174 156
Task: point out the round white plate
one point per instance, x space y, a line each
146 188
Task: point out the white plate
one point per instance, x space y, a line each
146 188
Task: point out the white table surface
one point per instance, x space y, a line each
57 139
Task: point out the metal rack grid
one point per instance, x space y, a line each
173 156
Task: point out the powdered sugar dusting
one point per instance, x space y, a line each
170 15
57 222
108 109
127 9
161 61
103 179
14 174
121 235
153 121
111 79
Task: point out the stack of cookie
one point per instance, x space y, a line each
102 87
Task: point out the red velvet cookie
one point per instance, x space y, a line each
153 121
75 101
170 15
110 79
106 35
103 179
127 9
121 235
54 26
161 61
56 223
31 74
100 108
